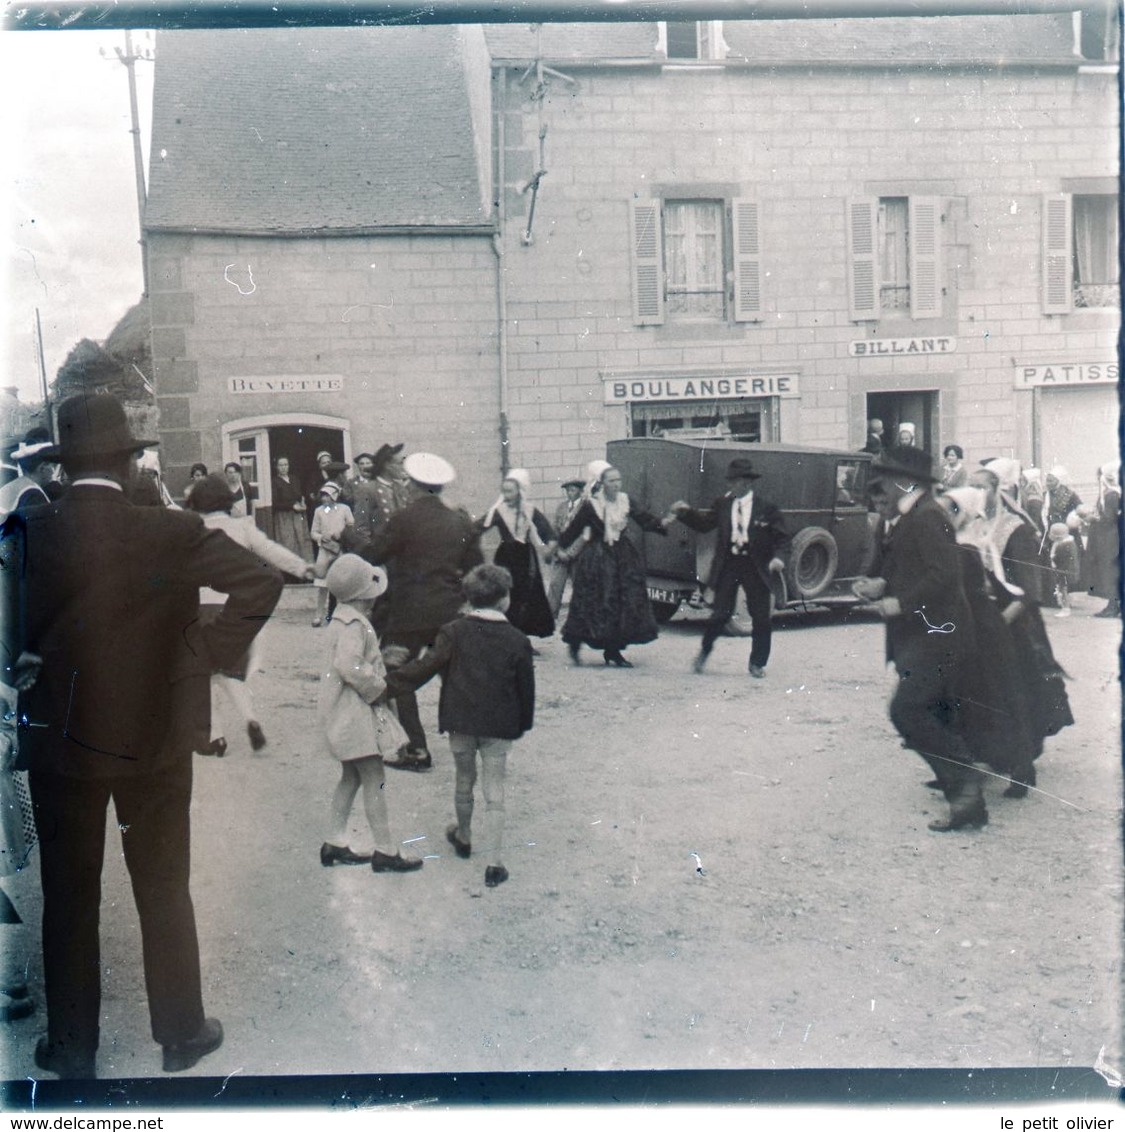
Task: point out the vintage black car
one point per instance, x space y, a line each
821 493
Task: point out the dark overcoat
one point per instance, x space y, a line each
487 678
107 593
428 548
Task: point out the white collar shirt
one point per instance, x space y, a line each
740 521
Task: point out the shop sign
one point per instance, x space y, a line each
321 383
630 390
886 347
1055 375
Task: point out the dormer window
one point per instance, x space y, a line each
684 40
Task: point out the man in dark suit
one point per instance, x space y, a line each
751 534
114 669
917 588
427 548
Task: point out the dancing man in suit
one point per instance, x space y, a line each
751 535
103 638
917 588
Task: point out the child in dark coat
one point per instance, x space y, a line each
487 701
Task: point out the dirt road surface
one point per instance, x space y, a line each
706 872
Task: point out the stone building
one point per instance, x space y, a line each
513 244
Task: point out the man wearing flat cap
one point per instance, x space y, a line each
563 561
916 585
114 667
427 548
751 535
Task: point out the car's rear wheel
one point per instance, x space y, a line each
813 558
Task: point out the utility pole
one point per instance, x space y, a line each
129 61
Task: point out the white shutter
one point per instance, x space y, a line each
647 243
863 246
747 261
925 257
1058 253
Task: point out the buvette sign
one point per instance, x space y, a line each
321 383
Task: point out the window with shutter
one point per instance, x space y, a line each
1058 253
1096 250
747 261
862 232
648 267
694 284
924 251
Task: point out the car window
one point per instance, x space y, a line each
851 483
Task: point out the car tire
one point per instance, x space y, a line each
813 558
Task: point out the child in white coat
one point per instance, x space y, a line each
358 726
330 520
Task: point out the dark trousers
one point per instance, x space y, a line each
407 704
736 571
926 713
152 812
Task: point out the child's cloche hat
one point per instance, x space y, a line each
350 578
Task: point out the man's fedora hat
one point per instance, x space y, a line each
906 462
94 424
429 470
573 483
742 469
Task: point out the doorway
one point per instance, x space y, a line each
918 407
257 444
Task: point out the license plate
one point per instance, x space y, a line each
668 596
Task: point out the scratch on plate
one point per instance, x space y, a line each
250 274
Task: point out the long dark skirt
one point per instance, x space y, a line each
609 606
1103 559
1042 675
529 610
996 708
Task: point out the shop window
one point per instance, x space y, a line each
695 261
745 421
894 251
1080 252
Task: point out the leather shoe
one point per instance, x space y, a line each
65 1065
336 855
494 875
411 760
385 863
183 1055
256 734
217 748
572 648
757 671
699 663
613 657
464 848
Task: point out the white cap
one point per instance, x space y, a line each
429 470
330 488
351 578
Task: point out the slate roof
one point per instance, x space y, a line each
944 40
316 129
356 129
